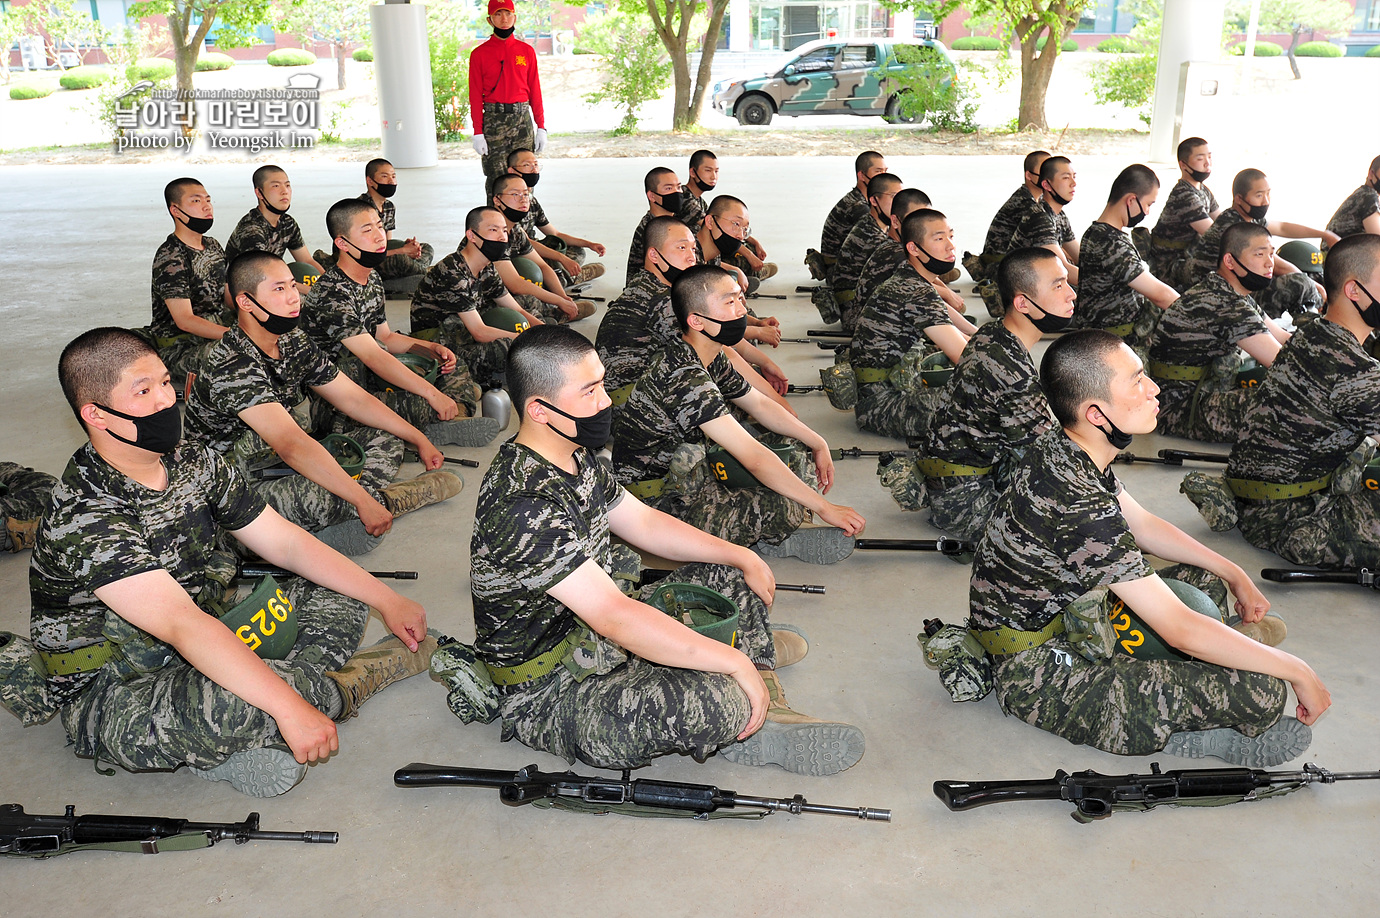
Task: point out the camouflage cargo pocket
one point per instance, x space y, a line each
627 568
840 385
687 473
1351 475
823 298
592 654
23 684
1212 497
138 650
815 262
471 696
964 668
1087 627
902 477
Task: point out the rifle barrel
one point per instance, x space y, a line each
269 570
801 588
467 463
790 389
1286 575
798 804
828 333
1180 456
947 546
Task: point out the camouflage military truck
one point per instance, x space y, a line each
829 77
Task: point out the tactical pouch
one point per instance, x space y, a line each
137 650
903 479
823 299
1087 627
964 667
840 385
1351 475
23 684
472 696
1212 497
591 654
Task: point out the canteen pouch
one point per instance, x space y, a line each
964 668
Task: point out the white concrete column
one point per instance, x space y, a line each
740 26
1191 31
402 66
903 24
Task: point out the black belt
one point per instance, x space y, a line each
507 108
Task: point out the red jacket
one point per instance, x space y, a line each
504 70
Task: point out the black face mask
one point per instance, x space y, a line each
668 271
494 249
731 331
276 324
727 245
385 191
1047 322
673 201
531 178
1258 211
591 432
934 265
1376 185
703 187
159 432
273 210
504 33
1199 176
369 260
1135 221
197 224
1371 314
513 214
1116 436
1252 281
1056 197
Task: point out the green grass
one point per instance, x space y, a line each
291 57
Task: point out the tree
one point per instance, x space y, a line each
344 24
1295 17
635 67
60 27
1025 21
12 28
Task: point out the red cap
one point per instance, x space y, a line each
496 5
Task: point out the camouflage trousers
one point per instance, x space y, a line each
184 357
743 516
400 265
505 132
412 408
1328 529
1291 293
25 497
962 505
486 362
1208 413
551 315
174 716
640 710
884 409
300 500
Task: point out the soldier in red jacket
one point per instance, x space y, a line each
505 93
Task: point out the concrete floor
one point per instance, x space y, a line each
77 243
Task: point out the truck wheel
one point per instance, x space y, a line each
894 116
754 110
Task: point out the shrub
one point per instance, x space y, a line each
364 55
84 77
1068 45
1318 49
1373 52
1117 45
928 87
450 76
977 43
30 92
1129 80
291 57
214 60
635 67
1262 49
150 68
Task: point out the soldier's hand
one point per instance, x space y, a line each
824 468
751 682
598 248
1251 604
375 517
308 733
568 307
845 518
759 577
412 248
775 378
1313 696
769 335
481 146
447 358
431 457
445 407
406 620
757 248
569 264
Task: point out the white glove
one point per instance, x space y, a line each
541 141
481 146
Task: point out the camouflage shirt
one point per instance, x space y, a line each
851 208
1186 205
993 407
388 212
535 219
237 375
534 526
1006 221
672 400
103 527
881 264
638 323
1057 533
895 319
695 210
182 272
862 239
1109 262
1204 253
1321 397
337 309
1041 226
449 288
254 234
690 214
1206 323
1349 218
519 243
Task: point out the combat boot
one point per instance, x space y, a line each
790 643
798 743
427 488
589 273
21 533
1287 739
266 772
768 270
463 432
1269 631
376 667
811 544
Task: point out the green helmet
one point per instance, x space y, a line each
935 370
703 610
731 472
1303 255
396 244
1371 475
527 269
346 451
1137 639
304 273
1250 374
428 368
265 620
505 318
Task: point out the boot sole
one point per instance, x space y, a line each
1285 741
804 749
349 538
478 431
267 772
813 546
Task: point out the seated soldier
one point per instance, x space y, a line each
1117 292
704 176
1319 403
850 208
268 227
542 294
679 409
564 252
24 494
1066 528
993 408
983 268
191 307
407 259
721 237
1290 291
665 198
1187 214
641 684
241 405
1046 224
907 313
1360 212
1196 353
889 255
344 317
128 580
450 300
863 238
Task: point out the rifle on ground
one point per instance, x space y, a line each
1096 795
1173 457
950 548
769 296
829 333
529 785
467 463
652 575
857 452
1358 576
27 835
792 389
262 569
822 345
807 289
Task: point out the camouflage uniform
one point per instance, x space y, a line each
534 526
695 210
862 239
1291 293
893 323
536 219
398 264
1349 218
1057 533
658 436
146 708
1203 330
447 292
992 410
255 234
238 376
1041 226
851 208
638 323
999 232
886 257
520 246
24 494
1105 299
504 132
1174 233
198 275
1321 398
692 211
336 309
